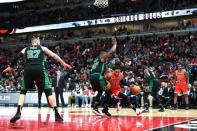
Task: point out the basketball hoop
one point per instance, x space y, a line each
101 3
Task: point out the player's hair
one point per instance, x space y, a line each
34 37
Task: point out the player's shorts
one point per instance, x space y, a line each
98 82
181 88
115 90
35 75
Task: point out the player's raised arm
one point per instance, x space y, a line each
14 61
55 57
105 55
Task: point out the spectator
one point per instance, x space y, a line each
71 100
85 95
78 96
193 95
60 84
168 95
92 96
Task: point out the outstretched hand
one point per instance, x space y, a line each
8 70
66 66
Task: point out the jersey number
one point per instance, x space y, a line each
33 54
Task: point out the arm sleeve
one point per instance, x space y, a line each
15 59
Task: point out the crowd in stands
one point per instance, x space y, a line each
70 34
46 13
147 61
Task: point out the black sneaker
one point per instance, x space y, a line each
161 110
105 111
146 108
173 108
187 108
15 118
58 118
96 111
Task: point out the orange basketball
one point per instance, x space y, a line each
135 90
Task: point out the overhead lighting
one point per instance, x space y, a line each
10 1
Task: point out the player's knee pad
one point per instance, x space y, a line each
48 92
23 92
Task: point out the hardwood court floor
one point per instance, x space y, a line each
82 119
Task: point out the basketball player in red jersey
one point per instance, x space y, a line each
114 81
181 82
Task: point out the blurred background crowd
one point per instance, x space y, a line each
148 61
50 11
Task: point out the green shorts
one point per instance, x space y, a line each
98 82
36 75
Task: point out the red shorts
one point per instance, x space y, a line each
181 87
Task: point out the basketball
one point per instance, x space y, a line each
135 89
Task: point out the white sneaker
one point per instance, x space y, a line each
139 111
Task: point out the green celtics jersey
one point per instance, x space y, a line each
98 67
34 55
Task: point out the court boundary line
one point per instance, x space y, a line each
170 124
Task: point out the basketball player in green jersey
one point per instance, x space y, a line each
97 79
35 73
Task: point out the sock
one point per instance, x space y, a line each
55 110
19 108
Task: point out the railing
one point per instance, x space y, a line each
31 98
74 40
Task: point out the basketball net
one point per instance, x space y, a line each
101 3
